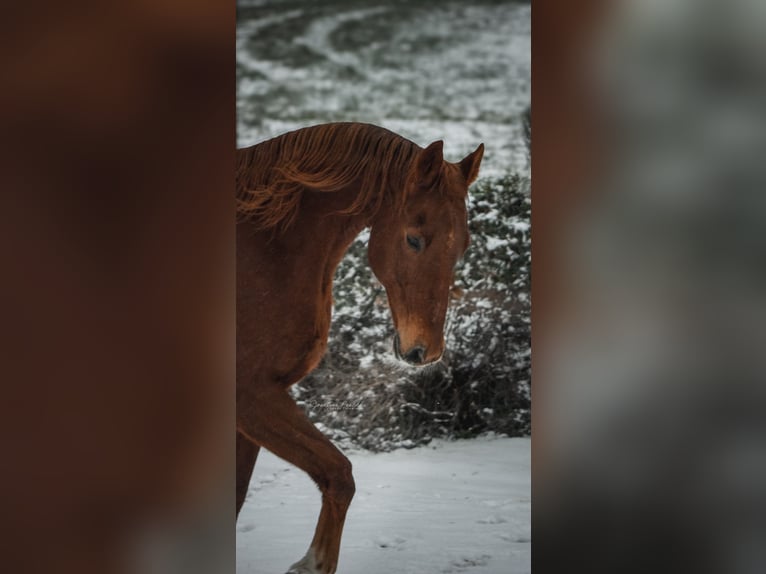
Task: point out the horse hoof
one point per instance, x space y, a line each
306 565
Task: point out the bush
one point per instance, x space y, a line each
361 396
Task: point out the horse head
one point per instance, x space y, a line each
415 246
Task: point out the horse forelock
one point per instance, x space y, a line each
272 176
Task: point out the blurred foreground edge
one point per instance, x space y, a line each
648 314
117 306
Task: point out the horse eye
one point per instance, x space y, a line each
415 243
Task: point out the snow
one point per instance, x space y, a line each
495 242
439 71
448 507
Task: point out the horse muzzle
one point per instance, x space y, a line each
415 355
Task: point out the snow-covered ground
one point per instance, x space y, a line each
427 69
448 507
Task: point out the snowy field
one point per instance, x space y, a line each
450 507
425 69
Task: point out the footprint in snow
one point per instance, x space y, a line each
495 519
464 563
396 543
260 481
515 539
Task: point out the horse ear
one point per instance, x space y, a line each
429 163
470 164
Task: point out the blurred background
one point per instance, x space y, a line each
427 70
117 293
650 418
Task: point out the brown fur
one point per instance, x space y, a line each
324 158
301 199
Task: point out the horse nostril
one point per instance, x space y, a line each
416 356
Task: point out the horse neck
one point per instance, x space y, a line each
327 232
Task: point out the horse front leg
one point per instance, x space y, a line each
269 416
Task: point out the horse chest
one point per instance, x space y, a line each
311 344
314 355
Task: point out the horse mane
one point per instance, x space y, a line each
272 176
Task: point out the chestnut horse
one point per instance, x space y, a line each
302 198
